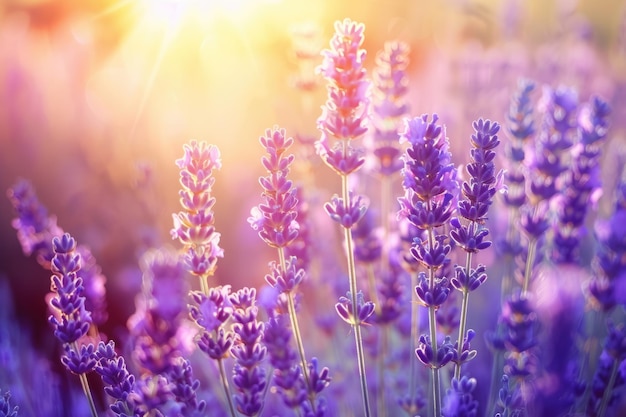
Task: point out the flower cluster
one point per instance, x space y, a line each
194 226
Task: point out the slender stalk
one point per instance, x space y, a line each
85 384
296 332
608 392
432 324
496 372
463 321
530 260
229 399
415 333
358 339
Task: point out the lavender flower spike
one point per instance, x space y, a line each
5 406
193 226
70 318
345 112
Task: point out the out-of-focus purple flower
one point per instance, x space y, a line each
152 393
368 245
364 310
344 115
520 116
160 311
510 401
35 227
275 219
248 374
194 225
5 406
301 246
610 260
35 231
389 104
581 181
608 375
459 401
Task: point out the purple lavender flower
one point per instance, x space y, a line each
581 181
118 382
608 375
160 311
5 406
185 387
364 310
35 231
276 218
345 113
390 105
210 312
428 175
71 320
248 374
194 226
459 401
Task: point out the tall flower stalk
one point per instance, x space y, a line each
194 228
277 225
429 183
70 318
343 120
470 233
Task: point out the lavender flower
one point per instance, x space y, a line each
184 388
5 406
345 113
194 226
160 310
478 196
581 181
389 104
249 377
71 321
35 231
429 184
118 382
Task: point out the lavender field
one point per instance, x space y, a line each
312 208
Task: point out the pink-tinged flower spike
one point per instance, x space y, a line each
343 120
344 116
193 226
70 318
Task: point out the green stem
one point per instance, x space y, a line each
85 384
358 339
296 332
414 336
608 392
463 320
229 399
432 324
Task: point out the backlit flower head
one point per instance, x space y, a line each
344 115
275 219
194 225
